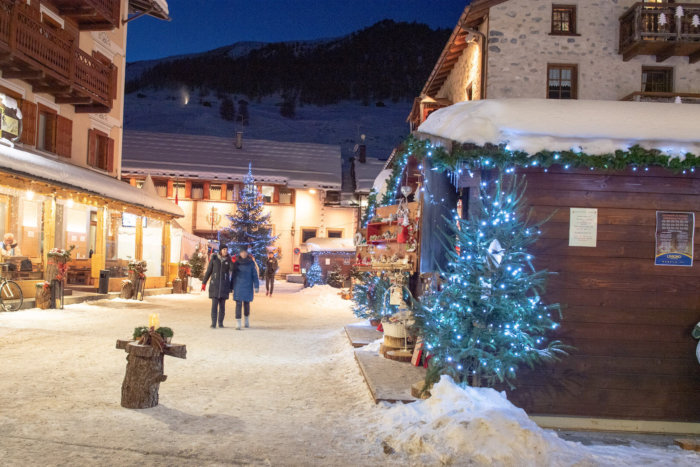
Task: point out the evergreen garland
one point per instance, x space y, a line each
250 226
488 319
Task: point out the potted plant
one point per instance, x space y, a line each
166 333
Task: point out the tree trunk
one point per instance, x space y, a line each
127 291
144 373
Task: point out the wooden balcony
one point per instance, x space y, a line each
49 59
685 97
655 29
94 15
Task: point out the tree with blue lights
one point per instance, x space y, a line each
250 225
488 318
314 276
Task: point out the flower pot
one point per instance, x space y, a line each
168 340
397 330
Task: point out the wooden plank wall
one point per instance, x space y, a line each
629 320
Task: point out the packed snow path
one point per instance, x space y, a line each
285 392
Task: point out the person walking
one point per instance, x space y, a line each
219 271
244 279
271 267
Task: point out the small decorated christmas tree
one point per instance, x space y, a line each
372 297
250 225
489 319
335 278
197 262
314 276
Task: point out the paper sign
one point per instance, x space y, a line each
675 232
73 238
30 233
583 227
328 261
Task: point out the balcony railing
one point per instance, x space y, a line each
49 59
661 29
683 97
90 14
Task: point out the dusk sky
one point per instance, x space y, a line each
199 25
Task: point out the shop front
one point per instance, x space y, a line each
48 204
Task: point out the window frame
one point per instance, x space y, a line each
336 231
301 233
53 116
573 30
666 70
574 80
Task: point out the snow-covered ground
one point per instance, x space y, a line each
285 392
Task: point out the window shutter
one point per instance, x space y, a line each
170 193
276 196
110 155
206 190
224 192
64 136
92 148
28 122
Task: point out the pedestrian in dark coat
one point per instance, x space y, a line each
244 280
271 267
219 271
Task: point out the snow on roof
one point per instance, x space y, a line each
592 127
366 173
317 244
82 179
380 182
155 8
298 165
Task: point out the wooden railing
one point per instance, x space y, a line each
685 97
643 22
109 9
54 52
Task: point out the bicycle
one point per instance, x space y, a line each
11 296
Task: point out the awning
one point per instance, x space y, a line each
81 180
156 8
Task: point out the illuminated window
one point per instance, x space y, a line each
268 193
197 191
561 81
179 190
215 192
564 19
285 196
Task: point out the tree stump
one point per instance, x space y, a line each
127 291
397 342
177 286
399 355
43 297
144 373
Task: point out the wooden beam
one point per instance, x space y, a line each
92 109
138 250
166 253
54 89
99 256
49 233
630 53
23 74
73 100
666 53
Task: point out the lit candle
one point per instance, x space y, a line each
154 320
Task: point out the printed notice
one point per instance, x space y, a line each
583 227
675 232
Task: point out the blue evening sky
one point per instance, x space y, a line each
199 25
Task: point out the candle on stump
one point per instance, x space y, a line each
154 320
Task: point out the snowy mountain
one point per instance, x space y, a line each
330 90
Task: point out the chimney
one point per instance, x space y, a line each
362 151
239 140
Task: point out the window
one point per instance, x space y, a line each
46 138
197 191
231 192
657 79
561 81
335 233
161 188
179 190
285 196
100 151
306 234
564 19
215 192
268 193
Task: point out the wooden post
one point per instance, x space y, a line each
165 260
100 253
170 190
49 233
138 250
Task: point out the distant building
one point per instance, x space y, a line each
299 182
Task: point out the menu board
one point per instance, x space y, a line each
583 227
675 232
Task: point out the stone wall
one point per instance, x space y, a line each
466 73
520 46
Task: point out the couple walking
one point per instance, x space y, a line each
241 277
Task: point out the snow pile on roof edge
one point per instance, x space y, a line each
479 426
318 244
592 127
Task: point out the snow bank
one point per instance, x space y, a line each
593 127
478 426
330 244
323 296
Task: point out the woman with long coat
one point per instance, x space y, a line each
219 271
244 280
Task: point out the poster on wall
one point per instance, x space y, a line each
583 227
675 234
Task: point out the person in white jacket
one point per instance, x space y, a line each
9 246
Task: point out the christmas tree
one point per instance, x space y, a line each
250 226
314 276
372 297
336 278
488 319
197 262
